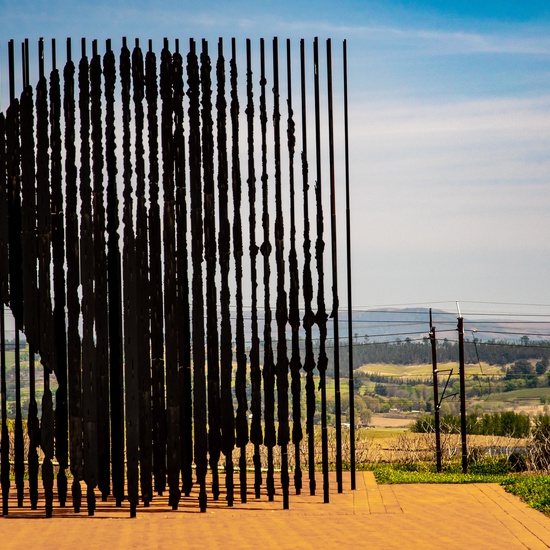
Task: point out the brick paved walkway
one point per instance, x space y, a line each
374 516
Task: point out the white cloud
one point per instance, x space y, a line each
463 172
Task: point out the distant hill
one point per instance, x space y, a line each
392 324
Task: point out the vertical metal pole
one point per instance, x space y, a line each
436 395
73 282
155 278
114 279
142 284
241 422
227 423
294 293
101 315
335 305
183 313
58 251
268 372
29 282
462 395
256 435
281 307
321 317
351 384
307 285
212 349
197 236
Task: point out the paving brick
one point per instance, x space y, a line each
400 517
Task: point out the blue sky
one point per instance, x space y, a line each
449 124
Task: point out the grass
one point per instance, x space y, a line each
524 393
534 490
422 371
389 474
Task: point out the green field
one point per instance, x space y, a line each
422 371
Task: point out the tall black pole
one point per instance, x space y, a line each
89 402
462 394
58 252
114 278
142 285
170 294
197 237
129 295
227 423
336 348
309 316
30 285
256 436
73 282
293 297
101 314
265 249
212 349
155 279
351 385
183 312
436 395
46 339
321 316
281 307
241 422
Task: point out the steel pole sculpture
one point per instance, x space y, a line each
281 308
241 422
151 319
309 316
224 250
256 436
294 293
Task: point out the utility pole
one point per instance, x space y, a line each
436 396
462 392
